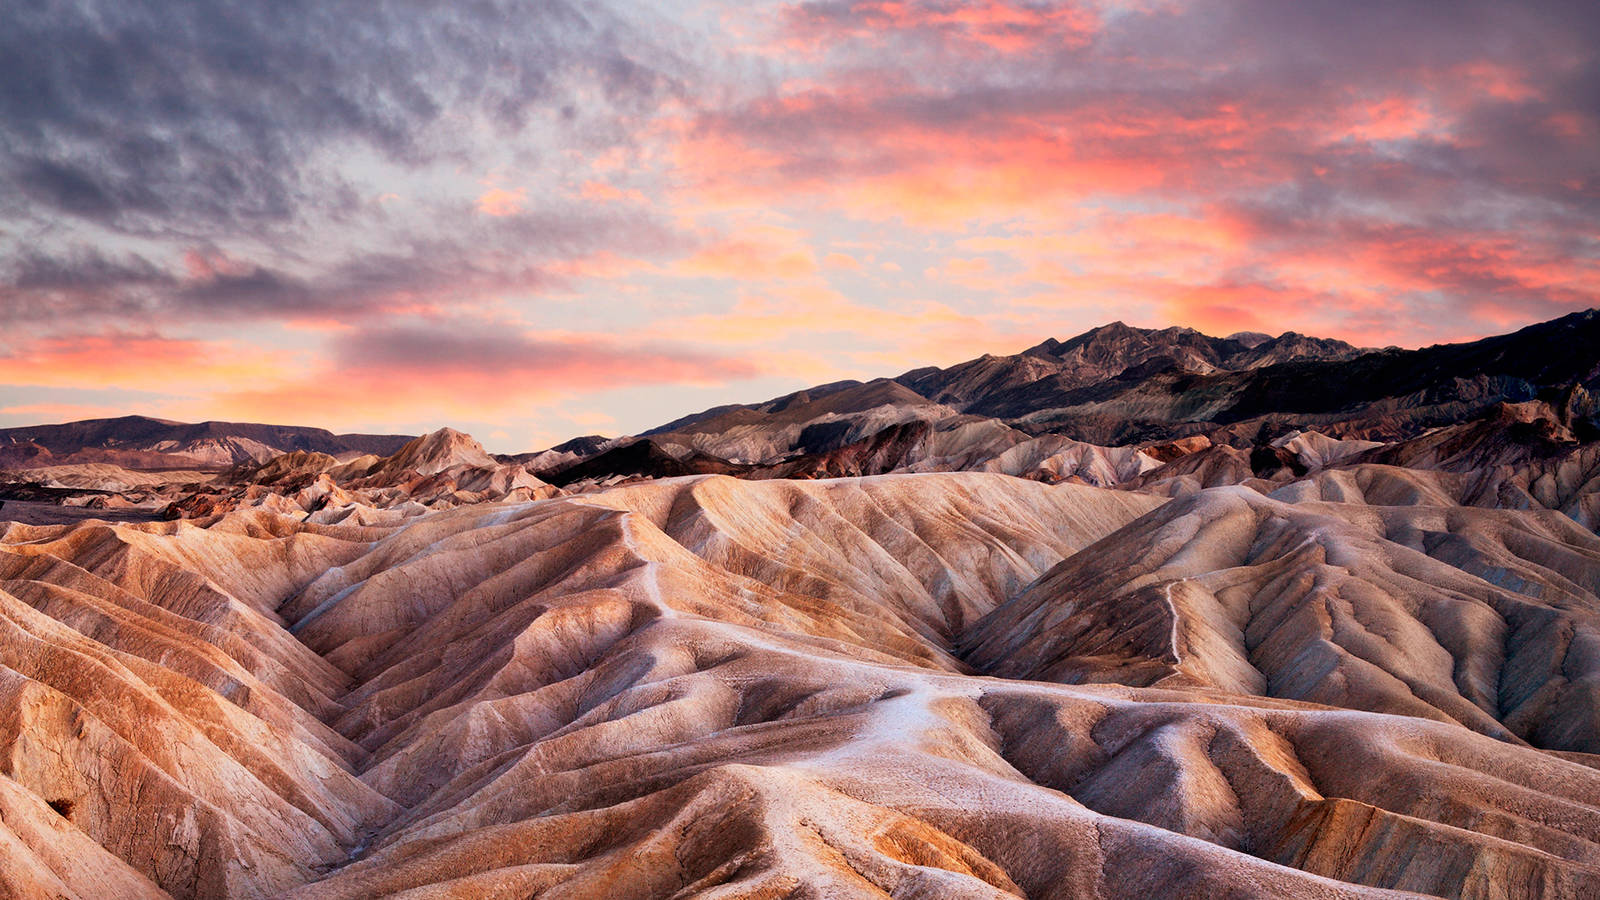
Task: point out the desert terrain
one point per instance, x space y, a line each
1129 615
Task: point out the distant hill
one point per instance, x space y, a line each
148 443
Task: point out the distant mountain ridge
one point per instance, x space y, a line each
1114 386
144 442
1117 386
1107 352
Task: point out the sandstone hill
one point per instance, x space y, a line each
936 685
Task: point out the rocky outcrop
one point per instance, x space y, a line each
436 452
442 469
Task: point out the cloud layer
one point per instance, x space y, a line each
227 206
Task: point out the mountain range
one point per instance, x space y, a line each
143 442
1114 385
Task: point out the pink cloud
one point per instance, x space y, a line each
752 254
441 371
968 28
502 202
1129 171
142 362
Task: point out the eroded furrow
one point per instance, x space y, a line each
721 688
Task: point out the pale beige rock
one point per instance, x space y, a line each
107 477
851 687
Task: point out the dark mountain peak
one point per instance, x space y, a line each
1117 384
1584 323
1175 331
1115 335
798 398
643 458
1104 351
1296 339
1250 339
1047 349
1574 318
747 410
134 420
1117 327
1111 331
586 445
1160 364
807 395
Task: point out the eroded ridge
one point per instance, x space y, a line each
940 685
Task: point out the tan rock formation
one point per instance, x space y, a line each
712 687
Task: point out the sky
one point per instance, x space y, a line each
534 219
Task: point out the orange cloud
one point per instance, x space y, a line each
501 202
436 372
854 150
976 274
610 193
1223 308
139 362
1393 118
1120 196
206 264
61 412
602 265
1485 78
963 27
753 254
779 319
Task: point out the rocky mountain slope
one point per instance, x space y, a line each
1117 386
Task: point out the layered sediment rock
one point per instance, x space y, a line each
946 685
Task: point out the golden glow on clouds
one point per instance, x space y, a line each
549 368
501 202
756 253
139 363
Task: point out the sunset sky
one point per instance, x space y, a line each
533 220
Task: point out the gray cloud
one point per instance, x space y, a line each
202 114
444 348
181 125
519 253
83 270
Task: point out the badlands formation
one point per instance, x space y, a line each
1336 653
